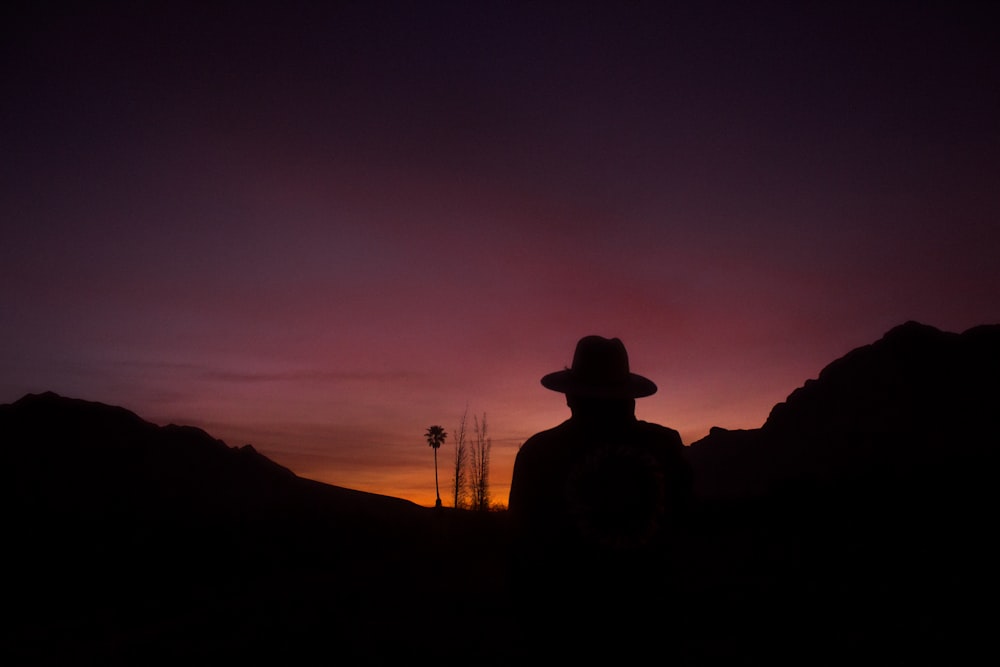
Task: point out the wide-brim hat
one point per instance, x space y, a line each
600 370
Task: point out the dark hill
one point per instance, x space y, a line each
855 524
919 405
131 543
93 460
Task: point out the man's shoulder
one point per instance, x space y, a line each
659 432
548 435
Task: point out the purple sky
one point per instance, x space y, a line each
322 227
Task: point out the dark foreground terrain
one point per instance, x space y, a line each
856 525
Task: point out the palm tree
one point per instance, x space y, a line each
435 438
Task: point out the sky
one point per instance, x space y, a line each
319 228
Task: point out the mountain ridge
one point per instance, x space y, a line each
916 398
142 544
73 456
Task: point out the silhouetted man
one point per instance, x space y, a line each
594 501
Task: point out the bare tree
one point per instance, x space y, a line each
435 438
479 465
461 486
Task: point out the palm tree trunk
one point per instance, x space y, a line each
437 490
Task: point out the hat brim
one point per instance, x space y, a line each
567 382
